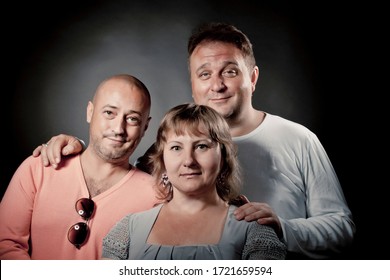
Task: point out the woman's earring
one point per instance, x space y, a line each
168 189
165 180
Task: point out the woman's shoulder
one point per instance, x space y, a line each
145 215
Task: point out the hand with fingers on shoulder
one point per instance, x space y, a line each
260 212
58 146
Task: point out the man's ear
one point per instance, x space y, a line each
146 126
89 111
254 76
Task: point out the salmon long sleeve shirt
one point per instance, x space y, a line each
38 208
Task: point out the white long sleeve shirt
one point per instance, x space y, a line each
285 165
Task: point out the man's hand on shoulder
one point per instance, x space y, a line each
58 146
260 212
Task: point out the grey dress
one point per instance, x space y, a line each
240 240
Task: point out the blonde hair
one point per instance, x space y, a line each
191 118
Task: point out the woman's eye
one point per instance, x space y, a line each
202 146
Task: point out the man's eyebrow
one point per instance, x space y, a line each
127 112
134 112
224 64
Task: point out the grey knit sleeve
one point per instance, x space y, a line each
262 243
116 243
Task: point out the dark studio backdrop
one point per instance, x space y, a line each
55 56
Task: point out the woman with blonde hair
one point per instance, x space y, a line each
197 174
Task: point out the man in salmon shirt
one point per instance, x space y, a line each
64 214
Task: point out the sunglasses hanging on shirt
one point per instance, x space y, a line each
79 232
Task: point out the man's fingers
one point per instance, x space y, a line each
43 150
54 152
58 146
37 151
68 149
266 220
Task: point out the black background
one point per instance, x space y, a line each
314 64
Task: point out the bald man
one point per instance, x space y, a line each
64 214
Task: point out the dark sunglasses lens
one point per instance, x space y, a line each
85 207
78 233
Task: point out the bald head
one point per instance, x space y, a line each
118 117
124 80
